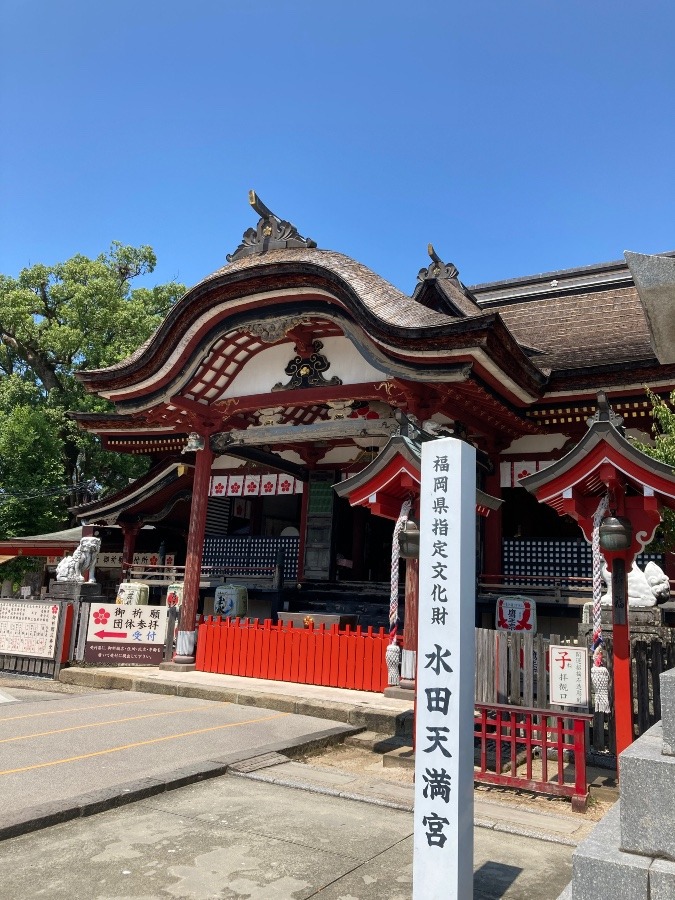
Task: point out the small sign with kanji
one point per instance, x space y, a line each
516 614
568 668
125 634
29 628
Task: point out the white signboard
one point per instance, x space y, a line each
112 622
568 668
443 842
114 560
516 614
125 634
29 629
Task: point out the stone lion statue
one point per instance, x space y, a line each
644 588
83 559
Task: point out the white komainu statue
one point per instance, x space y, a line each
644 588
83 559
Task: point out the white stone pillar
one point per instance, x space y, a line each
443 855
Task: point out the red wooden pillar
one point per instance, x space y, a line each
623 685
185 643
130 533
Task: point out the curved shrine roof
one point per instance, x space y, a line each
401 325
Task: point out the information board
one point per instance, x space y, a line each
568 668
29 628
125 634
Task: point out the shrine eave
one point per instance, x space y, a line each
56 543
131 434
321 284
580 470
392 476
146 499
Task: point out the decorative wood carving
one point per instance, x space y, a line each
273 330
271 233
437 268
308 371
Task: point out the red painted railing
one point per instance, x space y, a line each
353 658
533 749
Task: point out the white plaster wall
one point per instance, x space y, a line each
537 443
292 456
341 454
267 368
226 462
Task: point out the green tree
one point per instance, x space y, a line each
54 321
663 449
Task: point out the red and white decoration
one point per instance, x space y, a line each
268 485
263 485
512 472
516 614
251 485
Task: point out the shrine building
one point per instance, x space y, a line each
294 370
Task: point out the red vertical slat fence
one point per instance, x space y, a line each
352 658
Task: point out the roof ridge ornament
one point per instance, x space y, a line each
605 413
271 233
437 268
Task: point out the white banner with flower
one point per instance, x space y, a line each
254 485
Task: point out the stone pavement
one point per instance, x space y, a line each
76 754
362 709
232 837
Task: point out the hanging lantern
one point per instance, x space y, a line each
409 540
616 534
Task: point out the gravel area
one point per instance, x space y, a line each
359 761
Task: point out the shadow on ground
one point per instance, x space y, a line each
493 879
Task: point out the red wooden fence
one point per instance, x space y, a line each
533 749
348 659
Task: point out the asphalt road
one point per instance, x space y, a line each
233 838
55 748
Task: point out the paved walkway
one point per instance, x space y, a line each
79 753
362 709
236 838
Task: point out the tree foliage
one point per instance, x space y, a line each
663 449
54 321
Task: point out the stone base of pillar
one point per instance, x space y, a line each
175 665
184 660
405 690
400 693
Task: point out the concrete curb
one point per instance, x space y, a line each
384 721
478 822
35 818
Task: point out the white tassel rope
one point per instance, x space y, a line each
393 655
599 672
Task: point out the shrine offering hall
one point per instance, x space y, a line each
284 400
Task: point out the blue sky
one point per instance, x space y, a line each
518 137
